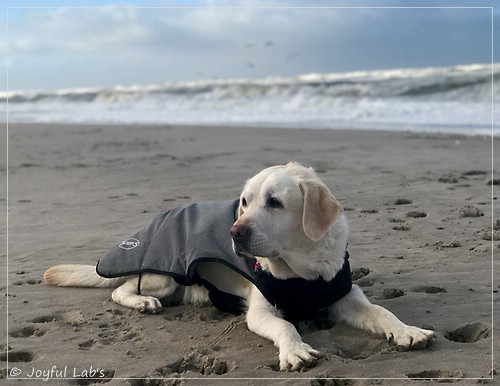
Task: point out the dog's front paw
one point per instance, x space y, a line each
148 305
410 337
298 355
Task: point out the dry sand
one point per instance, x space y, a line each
420 211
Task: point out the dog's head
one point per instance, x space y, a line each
282 209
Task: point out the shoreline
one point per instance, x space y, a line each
373 128
74 190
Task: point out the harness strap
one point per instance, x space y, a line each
139 279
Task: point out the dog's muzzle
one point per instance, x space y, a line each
240 235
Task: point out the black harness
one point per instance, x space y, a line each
300 299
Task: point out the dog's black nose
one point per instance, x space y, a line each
240 232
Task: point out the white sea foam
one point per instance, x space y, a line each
452 99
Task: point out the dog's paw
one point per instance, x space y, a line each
148 305
411 338
298 355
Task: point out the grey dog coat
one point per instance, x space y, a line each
179 239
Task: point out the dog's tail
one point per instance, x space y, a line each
78 275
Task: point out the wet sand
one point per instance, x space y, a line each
420 212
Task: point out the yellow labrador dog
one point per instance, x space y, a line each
287 237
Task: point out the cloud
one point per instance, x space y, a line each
78 29
111 44
54 30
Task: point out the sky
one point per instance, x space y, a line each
76 44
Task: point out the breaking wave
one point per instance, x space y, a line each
437 99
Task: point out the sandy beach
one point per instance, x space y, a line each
420 212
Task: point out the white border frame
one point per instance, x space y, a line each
9 370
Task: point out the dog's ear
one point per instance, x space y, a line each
321 209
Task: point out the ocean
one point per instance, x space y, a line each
445 99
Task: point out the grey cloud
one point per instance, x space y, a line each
156 45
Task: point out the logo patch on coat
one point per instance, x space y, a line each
129 244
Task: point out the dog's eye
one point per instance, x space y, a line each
273 202
243 202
